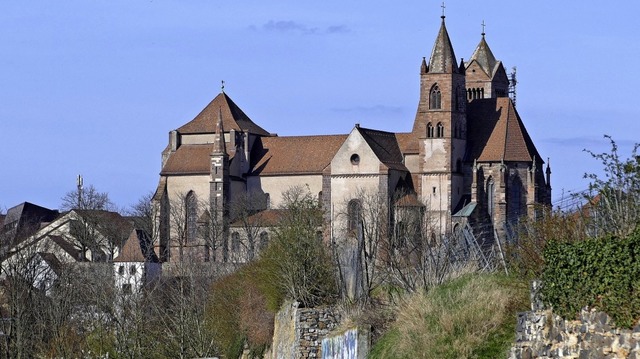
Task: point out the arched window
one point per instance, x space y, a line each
429 130
191 212
459 166
469 94
490 197
440 132
235 241
354 214
435 98
264 241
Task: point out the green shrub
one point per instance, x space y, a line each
602 273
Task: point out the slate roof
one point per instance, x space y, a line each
497 133
137 248
385 146
485 58
443 59
233 118
294 154
189 159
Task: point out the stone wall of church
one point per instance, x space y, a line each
275 186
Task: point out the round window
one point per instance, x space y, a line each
355 159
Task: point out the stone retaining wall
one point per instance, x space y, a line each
542 334
298 332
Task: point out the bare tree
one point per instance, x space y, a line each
247 210
86 198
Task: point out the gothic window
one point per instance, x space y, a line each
490 197
435 98
354 210
264 241
429 130
235 241
469 94
440 131
191 216
459 166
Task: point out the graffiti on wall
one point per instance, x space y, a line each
343 346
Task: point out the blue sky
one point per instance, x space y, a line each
94 87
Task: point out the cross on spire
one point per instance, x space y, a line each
443 8
222 86
483 25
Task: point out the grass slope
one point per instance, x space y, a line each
470 317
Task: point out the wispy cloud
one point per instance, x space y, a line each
289 26
587 142
376 110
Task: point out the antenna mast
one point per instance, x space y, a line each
512 85
80 183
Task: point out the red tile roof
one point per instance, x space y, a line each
233 118
295 154
497 133
189 159
137 249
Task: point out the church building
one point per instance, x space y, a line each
468 162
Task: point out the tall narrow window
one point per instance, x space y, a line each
191 212
490 197
429 130
264 241
354 215
435 98
440 132
235 242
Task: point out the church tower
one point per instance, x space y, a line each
441 129
485 76
218 226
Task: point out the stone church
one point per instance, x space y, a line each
467 161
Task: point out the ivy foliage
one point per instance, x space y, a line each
599 272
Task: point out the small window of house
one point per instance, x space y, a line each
121 270
132 269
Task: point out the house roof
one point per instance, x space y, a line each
189 159
385 146
233 118
137 248
497 133
294 154
67 247
52 261
443 59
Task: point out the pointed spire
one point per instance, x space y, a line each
461 69
548 171
443 59
484 56
423 66
218 141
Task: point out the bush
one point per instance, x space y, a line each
602 273
238 313
473 316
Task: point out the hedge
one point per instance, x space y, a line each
603 273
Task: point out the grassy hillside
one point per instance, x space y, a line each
470 317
